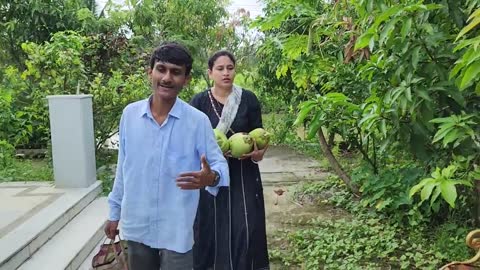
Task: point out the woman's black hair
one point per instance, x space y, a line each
215 56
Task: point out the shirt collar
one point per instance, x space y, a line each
176 110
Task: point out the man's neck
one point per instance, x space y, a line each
160 108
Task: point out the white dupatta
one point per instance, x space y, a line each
230 109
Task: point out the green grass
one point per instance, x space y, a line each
27 170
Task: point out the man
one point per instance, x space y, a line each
167 152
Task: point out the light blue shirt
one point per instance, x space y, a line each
145 198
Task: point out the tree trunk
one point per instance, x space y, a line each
334 163
331 139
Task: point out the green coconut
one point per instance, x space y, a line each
240 144
222 140
261 137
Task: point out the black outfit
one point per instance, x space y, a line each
230 231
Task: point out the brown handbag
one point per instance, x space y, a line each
111 256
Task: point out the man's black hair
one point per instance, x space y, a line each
174 53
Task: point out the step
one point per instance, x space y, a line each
69 248
32 230
87 263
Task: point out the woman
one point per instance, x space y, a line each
230 231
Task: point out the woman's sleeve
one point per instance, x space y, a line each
195 102
254 112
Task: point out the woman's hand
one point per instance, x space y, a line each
256 155
227 154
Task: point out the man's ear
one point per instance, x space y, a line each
209 71
149 73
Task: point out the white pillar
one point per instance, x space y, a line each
73 140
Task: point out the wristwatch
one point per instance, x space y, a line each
216 180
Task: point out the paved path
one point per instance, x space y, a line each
283 168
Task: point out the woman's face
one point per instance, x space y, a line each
222 72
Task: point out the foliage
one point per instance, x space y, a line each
111 96
15 127
387 191
367 243
279 125
382 77
6 154
18 17
102 55
369 240
443 183
58 68
26 170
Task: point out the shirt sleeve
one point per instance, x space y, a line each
116 195
214 155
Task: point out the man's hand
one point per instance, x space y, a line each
197 180
256 155
111 229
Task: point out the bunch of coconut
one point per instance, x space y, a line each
242 143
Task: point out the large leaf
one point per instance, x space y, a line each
427 190
449 192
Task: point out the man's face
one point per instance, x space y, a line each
167 80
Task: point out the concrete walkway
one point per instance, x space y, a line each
282 169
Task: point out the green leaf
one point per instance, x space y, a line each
470 74
304 111
294 46
469 27
383 127
449 192
315 125
363 41
427 190
415 57
408 93
415 189
420 185
387 31
441 120
385 15
424 94
449 171
435 195
442 132
407 25
455 70
453 135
